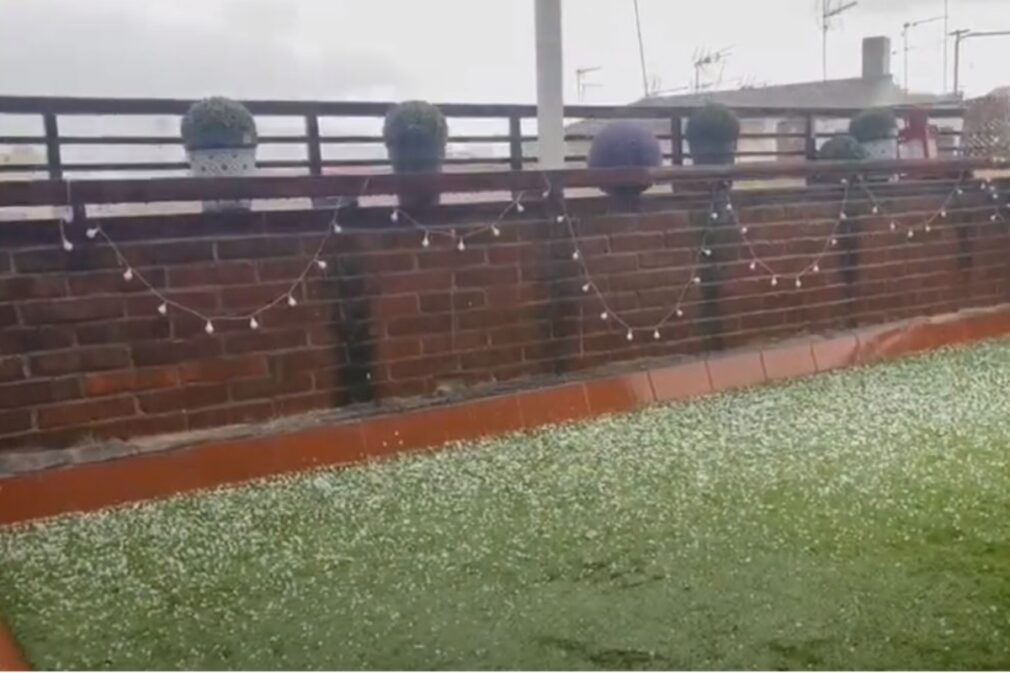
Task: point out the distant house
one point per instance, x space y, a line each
875 88
987 124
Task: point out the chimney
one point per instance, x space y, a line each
876 57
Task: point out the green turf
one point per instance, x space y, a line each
855 520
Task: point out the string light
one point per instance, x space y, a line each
163 308
461 245
128 274
630 336
321 263
292 302
254 323
394 216
656 335
209 327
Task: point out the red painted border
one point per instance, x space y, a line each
92 486
11 658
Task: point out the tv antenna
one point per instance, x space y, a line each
704 58
580 80
641 50
907 26
828 12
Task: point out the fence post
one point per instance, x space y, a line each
515 142
677 141
315 150
810 132
52 130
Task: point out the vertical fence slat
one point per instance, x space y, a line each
315 150
515 142
810 131
52 130
677 141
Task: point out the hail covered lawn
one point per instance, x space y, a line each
855 520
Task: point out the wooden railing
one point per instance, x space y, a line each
315 161
15 193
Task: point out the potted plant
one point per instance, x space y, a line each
842 147
877 131
712 133
220 139
415 133
625 144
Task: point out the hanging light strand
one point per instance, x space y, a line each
131 273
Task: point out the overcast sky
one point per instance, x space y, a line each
456 50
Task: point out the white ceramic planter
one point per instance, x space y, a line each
227 162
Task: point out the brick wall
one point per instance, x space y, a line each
84 353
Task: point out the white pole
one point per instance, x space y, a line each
550 85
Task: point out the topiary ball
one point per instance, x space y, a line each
841 148
218 123
415 133
625 144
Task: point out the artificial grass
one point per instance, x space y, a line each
858 520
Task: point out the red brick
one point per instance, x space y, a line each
305 360
280 269
212 275
113 282
29 339
461 299
389 262
452 258
299 404
417 281
76 413
190 397
80 360
212 371
19 288
169 252
256 296
96 385
28 393
15 422
86 258
81 309
172 352
250 389
11 369
6 265
259 247
124 331
420 324
423 367
146 305
235 414
257 341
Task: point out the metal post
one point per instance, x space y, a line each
52 131
810 133
315 150
515 142
677 141
550 85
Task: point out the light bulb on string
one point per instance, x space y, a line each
394 216
714 215
753 266
559 219
656 335
425 242
91 232
163 308
744 230
292 301
943 213
67 245
495 231
321 263
336 227
911 233
630 336
696 280
928 228
254 323
603 316
586 287
834 242
894 226
775 281
128 274
680 313
875 210
707 252
575 255
520 208
799 282
816 268
461 246
209 327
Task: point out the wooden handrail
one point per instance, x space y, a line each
55 192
